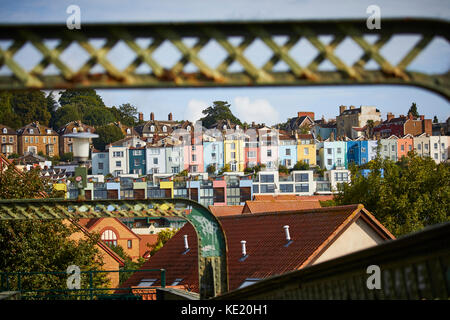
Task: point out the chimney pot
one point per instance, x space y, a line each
342 109
186 244
286 230
141 116
152 116
170 116
244 250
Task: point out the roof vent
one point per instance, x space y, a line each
244 251
186 244
288 236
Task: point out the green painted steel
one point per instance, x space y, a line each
222 34
413 267
212 245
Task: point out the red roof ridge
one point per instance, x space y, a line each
323 209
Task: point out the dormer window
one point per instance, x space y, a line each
224 127
5 130
31 130
164 129
74 130
152 128
128 131
188 128
50 131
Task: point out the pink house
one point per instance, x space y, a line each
220 191
193 155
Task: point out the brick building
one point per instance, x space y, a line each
8 140
35 138
401 126
355 117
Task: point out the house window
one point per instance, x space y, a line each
339 150
385 148
329 162
269 153
100 166
233 146
152 128
194 168
164 129
436 156
5 130
288 152
286 188
129 244
136 162
419 147
435 145
410 147
109 237
193 147
267 178
402 147
426 146
11 139
31 139
251 154
302 177
233 155
3 139
155 160
118 163
302 187
31 131
329 150
26 139
305 151
194 157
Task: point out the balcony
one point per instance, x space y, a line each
285 178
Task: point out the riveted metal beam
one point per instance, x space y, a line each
174 76
213 278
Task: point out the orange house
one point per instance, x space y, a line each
404 145
111 260
113 232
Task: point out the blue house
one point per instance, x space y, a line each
137 161
358 152
213 154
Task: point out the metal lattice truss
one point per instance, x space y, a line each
211 239
219 75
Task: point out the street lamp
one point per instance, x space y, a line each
80 149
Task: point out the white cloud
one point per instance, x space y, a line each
259 111
193 112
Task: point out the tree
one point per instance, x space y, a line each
67 157
283 169
64 115
163 236
413 110
411 194
129 264
126 114
107 134
86 97
211 169
41 245
300 165
225 168
98 116
220 110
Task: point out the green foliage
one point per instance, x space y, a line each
413 110
129 263
414 193
163 237
220 110
41 245
87 97
67 157
211 169
20 108
225 168
64 115
107 134
283 169
254 169
127 114
300 165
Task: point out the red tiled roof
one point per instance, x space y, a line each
312 231
146 241
219 211
278 206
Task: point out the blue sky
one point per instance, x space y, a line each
268 105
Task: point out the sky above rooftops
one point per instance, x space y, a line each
264 105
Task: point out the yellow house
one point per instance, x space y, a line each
61 187
168 185
233 150
306 149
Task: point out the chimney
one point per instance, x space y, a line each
288 236
352 107
141 116
170 116
244 250
152 116
186 244
390 116
422 117
342 109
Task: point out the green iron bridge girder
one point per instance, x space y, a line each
212 248
17 36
